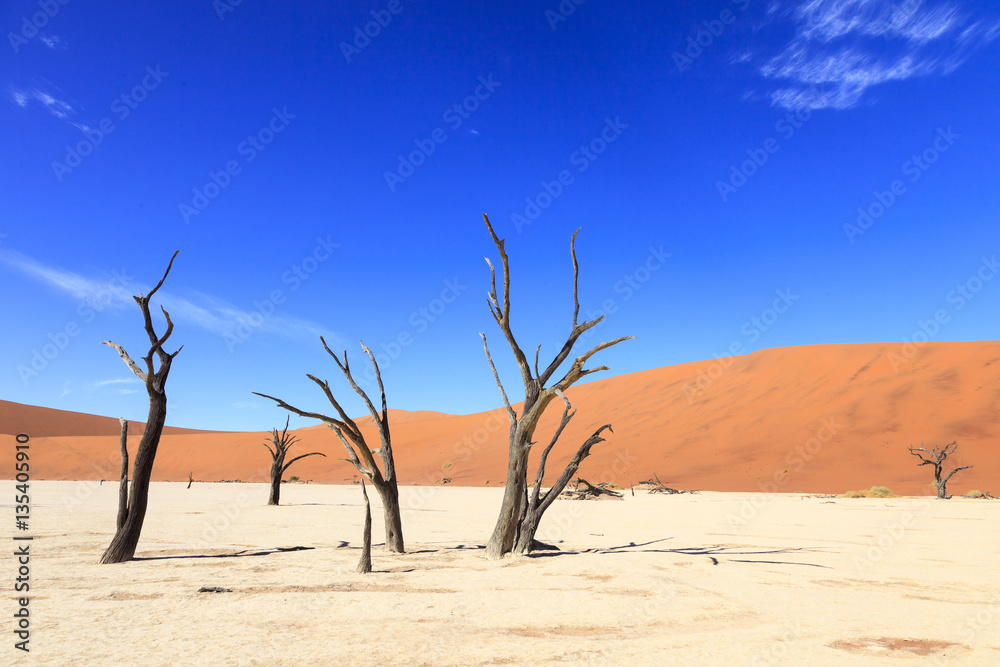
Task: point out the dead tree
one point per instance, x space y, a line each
365 564
936 457
358 451
282 443
122 547
590 492
656 486
190 479
123 483
522 507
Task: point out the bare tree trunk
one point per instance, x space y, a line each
275 494
122 547
365 564
123 483
505 533
190 479
389 494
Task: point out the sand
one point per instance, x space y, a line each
835 417
705 579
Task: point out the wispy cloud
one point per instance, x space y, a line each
205 311
98 294
25 97
105 383
841 48
119 386
54 42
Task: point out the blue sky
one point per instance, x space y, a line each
828 168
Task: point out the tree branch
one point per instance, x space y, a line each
566 417
504 320
576 371
128 360
573 466
945 480
510 411
283 469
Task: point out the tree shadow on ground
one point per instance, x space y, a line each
709 551
237 554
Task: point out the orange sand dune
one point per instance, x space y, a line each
818 418
18 418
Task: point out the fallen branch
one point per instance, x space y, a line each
589 491
656 486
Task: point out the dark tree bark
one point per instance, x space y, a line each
282 443
521 511
190 479
359 453
123 483
936 457
122 547
365 564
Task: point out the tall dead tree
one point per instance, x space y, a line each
358 451
936 457
122 547
282 443
522 507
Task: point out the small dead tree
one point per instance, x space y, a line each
190 479
122 547
358 451
936 457
522 507
365 564
282 443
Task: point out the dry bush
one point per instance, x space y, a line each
874 492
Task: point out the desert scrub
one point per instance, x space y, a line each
874 492
975 493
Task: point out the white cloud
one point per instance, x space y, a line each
841 48
205 311
98 294
54 42
105 383
55 106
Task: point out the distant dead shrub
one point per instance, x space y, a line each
874 492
